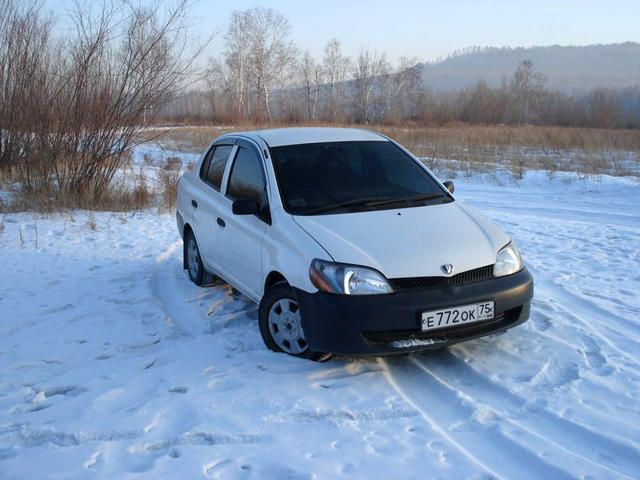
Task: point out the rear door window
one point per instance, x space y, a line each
214 165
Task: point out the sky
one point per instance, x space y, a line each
427 29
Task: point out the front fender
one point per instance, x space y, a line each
288 249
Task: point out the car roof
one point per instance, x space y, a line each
278 137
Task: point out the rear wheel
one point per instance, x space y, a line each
192 260
281 324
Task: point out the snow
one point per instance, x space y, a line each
415 342
112 365
158 155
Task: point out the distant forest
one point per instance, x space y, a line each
263 76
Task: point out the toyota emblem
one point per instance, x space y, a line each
447 268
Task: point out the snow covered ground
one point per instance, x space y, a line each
112 365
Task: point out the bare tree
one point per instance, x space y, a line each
605 108
311 80
89 93
235 72
287 76
336 69
482 104
24 64
370 75
270 52
407 87
526 87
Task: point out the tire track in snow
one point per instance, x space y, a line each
195 311
599 385
572 438
595 359
175 294
580 313
630 328
489 449
588 216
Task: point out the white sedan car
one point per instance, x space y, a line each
348 243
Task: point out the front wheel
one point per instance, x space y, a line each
280 322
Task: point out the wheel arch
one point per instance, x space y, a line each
274 277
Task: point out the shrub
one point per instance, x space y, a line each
169 176
72 106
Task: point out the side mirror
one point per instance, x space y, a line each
247 206
450 186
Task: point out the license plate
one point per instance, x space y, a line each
461 315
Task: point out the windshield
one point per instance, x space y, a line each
339 177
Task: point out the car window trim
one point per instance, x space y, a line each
206 159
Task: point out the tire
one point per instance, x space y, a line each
280 323
192 260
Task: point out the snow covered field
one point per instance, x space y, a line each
112 365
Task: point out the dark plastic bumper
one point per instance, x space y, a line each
390 324
180 224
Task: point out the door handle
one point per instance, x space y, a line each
221 222
194 203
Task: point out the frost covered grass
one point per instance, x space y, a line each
113 365
147 178
588 151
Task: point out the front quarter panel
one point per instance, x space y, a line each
289 250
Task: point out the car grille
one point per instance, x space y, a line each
423 283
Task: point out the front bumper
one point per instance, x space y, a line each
390 324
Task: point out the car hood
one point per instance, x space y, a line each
409 242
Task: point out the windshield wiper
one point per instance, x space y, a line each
373 202
354 202
424 198
407 200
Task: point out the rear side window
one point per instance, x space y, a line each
214 164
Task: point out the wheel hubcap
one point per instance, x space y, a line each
286 327
192 258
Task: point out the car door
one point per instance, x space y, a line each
208 202
240 246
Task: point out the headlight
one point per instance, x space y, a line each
347 279
508 261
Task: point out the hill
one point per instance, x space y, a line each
574 68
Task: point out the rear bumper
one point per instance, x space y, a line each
390 324
180 224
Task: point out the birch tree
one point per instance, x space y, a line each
407 87
336 69
527 86
311 80
370 71
270 50
236 69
